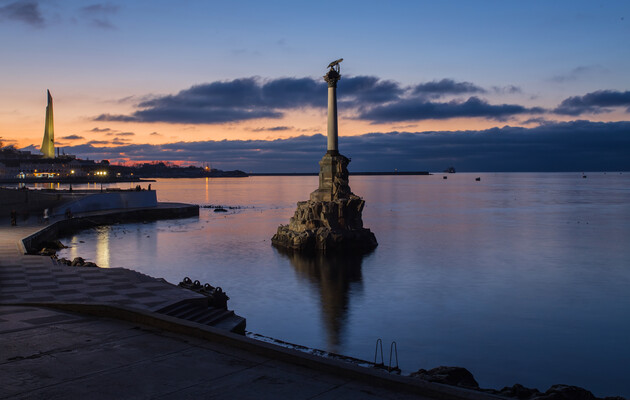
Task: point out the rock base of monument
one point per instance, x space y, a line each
326 226
330 221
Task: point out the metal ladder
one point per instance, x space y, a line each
393 350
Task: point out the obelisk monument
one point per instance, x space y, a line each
331 220
48 143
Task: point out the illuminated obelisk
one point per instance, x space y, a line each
48 144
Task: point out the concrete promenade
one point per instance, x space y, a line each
71 332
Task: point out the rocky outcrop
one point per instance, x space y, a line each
455 376
331 221
458 376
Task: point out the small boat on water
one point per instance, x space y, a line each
220 209
445 177
478 178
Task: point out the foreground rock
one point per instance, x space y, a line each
457 376
77 262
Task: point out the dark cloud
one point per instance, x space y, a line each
23 11
116 118
373 98
273 129
539 121
417 109
155 134
365 90
568 146
594 102
100 130
93 142
227 101
72 137
437 89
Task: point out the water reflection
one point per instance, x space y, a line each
102 247
337 277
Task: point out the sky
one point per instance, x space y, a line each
481 86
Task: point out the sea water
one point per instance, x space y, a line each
520 278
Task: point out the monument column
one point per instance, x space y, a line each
332 77
331 219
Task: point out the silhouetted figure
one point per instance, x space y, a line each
46 215
149 186
13 218
68 213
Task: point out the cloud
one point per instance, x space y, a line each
93 142
116 133
100 8
578 73
509 89
437 89
538 120
115 118
98 14
272 129
227 101
594 102
254 98
27 12
155 134
365 90
72 137
566 146
120 141
100 130
417 109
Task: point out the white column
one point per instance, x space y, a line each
332 119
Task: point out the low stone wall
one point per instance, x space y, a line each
30 201
109 201
51 232
25 201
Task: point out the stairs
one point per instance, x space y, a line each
194 311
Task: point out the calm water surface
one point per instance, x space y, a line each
519 277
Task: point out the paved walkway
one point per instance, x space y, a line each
53 354
50 353
37 279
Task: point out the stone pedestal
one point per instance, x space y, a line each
330 221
